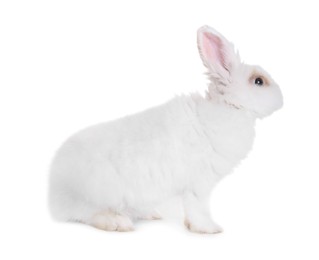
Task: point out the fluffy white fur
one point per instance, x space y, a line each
111 174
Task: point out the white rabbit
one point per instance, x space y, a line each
111 174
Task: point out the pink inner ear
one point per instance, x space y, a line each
213 49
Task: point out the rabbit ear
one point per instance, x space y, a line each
217 53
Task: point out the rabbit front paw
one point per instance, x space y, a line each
203 227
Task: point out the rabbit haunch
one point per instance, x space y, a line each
111 174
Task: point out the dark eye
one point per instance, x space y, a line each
259 82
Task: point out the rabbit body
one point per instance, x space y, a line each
130 165
113 173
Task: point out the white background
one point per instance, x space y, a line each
67 64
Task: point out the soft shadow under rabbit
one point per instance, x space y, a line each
111 174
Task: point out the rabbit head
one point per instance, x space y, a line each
235 83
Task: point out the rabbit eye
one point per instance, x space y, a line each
256 79
259 82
